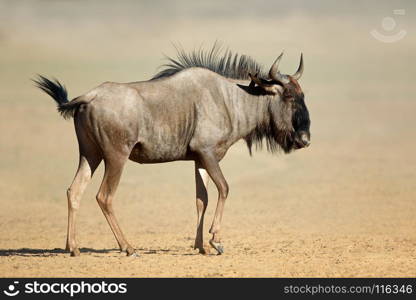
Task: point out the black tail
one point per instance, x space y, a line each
58 92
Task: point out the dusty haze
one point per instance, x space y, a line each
343 207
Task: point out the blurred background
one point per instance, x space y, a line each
124 41
357 177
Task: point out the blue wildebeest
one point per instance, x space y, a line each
194 109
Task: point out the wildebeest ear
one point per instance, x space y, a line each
252 83
268 87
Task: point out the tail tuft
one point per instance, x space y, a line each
58 92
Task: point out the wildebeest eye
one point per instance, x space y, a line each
288 95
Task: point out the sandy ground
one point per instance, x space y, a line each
343 207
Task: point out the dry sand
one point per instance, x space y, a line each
343 207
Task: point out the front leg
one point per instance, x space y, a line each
210 163
201 180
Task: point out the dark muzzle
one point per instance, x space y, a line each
302 140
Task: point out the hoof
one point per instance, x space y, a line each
217 246
203 251
131 252
134 254
75 252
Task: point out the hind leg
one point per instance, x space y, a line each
105 196
87 166
201 180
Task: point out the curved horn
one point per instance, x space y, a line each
274 70
299 72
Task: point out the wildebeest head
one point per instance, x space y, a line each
290 114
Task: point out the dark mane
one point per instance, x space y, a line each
225 63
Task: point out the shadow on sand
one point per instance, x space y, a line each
49 252
56 251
